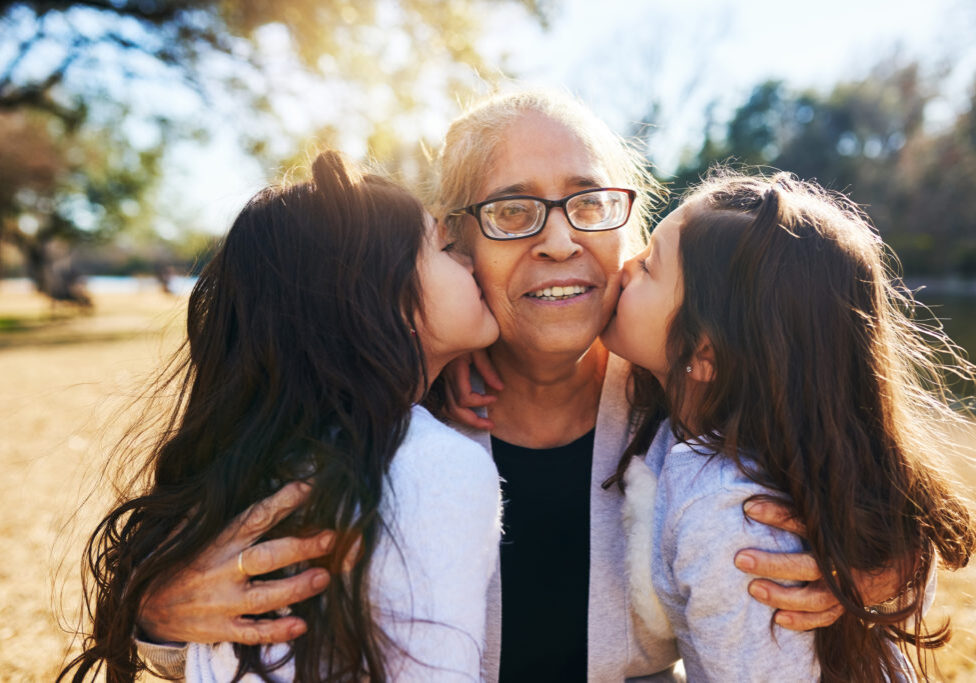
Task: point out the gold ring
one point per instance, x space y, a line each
240 565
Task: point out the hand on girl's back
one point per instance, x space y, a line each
799 608
207 601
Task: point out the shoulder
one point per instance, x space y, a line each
431 446
703 472
702 493
436 466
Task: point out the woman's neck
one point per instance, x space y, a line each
548 400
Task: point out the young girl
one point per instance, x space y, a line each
312 334
764 313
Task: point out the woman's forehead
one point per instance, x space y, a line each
537 152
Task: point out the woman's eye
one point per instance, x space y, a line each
512 209
643 266
448 247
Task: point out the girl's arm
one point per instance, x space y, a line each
430 574
723 634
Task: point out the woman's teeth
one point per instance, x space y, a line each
557 293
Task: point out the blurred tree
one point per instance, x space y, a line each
66 184
92 92
868 138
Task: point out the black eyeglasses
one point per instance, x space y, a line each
518 216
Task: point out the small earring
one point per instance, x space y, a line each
413 333
688 369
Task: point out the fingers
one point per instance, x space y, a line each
482 361
267 596
464 416
256 631
810 598
459 376
281 552
805 621
778 515
263 515
779 566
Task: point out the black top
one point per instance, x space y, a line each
545 559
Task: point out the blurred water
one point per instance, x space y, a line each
112 284
957 313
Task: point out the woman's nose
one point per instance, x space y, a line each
558 239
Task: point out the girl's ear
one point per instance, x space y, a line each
703 362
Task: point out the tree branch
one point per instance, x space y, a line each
153 12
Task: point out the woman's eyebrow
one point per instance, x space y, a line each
586 182
515 188
580 181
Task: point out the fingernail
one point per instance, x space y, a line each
783 619
745 562
296 629
751 507
320 580
758 592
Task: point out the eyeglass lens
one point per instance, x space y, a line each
593 210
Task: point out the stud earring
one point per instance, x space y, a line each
688 369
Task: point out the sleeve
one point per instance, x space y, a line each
430 574
167 659
729 636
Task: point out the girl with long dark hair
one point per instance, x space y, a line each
765 314
312 334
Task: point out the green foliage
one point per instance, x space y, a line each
93 92
868 138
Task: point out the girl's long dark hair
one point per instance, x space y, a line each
300 363
822 376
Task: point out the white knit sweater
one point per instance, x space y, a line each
430 572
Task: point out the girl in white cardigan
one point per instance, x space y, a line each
313 332
764 313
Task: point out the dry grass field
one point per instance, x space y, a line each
64 382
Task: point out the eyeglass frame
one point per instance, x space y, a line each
475 211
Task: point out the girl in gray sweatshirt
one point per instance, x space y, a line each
764 317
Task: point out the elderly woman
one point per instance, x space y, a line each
549 203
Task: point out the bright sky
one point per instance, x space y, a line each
624 56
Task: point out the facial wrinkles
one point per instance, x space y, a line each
561 283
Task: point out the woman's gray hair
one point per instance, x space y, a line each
473 137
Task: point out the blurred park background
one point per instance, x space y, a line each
132 131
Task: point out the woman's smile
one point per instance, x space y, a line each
561 292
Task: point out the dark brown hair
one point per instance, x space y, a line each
824 378
299 364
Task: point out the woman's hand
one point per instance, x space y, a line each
207 601
802 608
461 399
